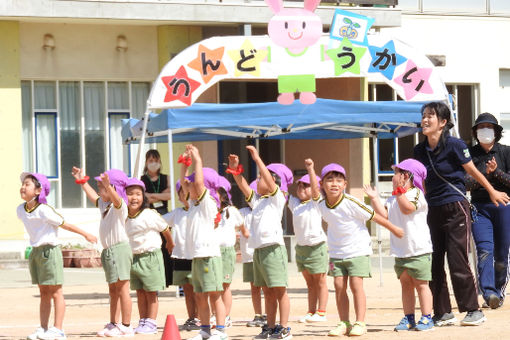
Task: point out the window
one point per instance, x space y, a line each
67 123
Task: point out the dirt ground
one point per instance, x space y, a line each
87 309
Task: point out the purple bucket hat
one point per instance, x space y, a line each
45 185
333 167
285 175
306 179
135 181
178 185
225 184
119 179
416 168
211 182
253 185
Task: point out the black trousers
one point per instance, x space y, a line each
450 231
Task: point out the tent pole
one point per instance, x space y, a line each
136 173
171 167
378 227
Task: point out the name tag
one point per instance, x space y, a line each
157 204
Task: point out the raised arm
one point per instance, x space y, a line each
199 174
116 199
496 196
233 163
265 175
79 174
183 174
316 193
375 202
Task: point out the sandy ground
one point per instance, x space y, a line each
87 309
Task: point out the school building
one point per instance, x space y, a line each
70 70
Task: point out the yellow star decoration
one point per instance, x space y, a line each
247 59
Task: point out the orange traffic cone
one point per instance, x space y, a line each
171 331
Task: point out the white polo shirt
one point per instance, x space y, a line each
41 224
143 231
267 211
246 250
200 235
307 221
226 230
416 240
177 219
113 220
347 233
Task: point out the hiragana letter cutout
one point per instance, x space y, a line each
208 62
414 80
346 57
385 59
179 87
247 59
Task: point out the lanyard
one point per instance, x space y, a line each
152 185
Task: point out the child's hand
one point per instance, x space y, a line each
309 164
253 152
105 179
233 161
77 173
370 191
170 247
192 151
91 238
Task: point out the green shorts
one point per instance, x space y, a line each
228 262
313 259
296 83
181 277
207 274
117 261
248 272
355 266
270 266
148 271
418 267
46 265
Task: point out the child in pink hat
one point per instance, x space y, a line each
270 255
311 248
46 264
116 257
408 208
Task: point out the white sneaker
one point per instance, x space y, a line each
201 335
35 335
212 321
120 330
53 333
108 327
317 318
228 322
305 318
217 335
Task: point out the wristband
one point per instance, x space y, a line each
237 171
184 160
399 191
82 181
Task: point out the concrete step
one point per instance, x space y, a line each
13 264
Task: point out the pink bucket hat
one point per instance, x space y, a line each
178 185
253 185
211 182
45 185
333 167
119 179
306 179
135 181
284 173
416 168
225 184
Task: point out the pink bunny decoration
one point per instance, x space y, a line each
295 33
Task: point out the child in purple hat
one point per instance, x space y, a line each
408 208
270 255
311 248
143 228
46 264
202 244
349 243
116 257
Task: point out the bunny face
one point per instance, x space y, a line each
295 28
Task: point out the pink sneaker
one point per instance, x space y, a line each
108 327
120 331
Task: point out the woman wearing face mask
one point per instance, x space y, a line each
491 230
157 190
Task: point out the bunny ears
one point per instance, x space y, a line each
277 5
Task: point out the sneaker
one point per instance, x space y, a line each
53 333
317 318
108 327
306 317
149 326
140 325
192 324
217 335
280 332
228 322
358 328
343 328
201 335
35 335
120 330
425 324
258 321
404 325
473 318
447 319
265 333
494 301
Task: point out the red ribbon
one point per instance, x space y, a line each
184 160
237 171
399 191
82 181
217 219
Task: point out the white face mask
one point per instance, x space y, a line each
154 166
485 135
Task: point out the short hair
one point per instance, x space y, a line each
277 178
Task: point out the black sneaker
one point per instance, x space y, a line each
281 333
191 324
473 318
258 321
494 301
447 319
265 333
